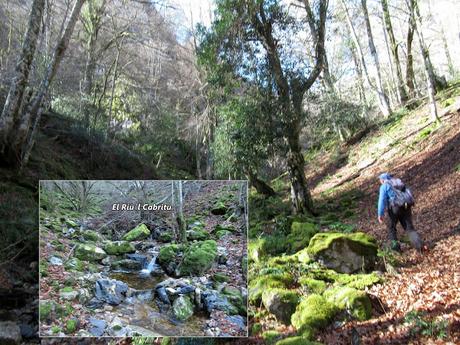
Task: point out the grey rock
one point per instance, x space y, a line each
10 333
238 321
97 327
55 261
111 291
213 300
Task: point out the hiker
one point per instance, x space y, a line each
398 200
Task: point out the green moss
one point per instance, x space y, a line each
182 308
271 336
140 232
67 289
312 313
89 252
300 235
356 302
220 227
46 307
299 340
222 233
220 277
323 241
270 245
281 302
197 234
312 285
256 328
117 327
219 208
166 236
198 258
303 256
261 283
361 281
55 329
168 253
71 326
90 235
119 247
236 298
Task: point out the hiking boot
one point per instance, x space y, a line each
415 240
395 246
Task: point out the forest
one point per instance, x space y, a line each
310 101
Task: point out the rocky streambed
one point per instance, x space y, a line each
139 286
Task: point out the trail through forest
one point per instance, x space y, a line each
430 282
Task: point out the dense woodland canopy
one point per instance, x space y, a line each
241 96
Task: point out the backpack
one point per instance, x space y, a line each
403 196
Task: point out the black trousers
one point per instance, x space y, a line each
402 215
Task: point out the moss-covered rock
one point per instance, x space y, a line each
167 257
74 264
165 236
236 298
89 252
198 258
220 277
219 209
271 245
270 337
182 308
345 253
127 265
312 285
281 302
220 227
197 234
261 283
118 247
299 340
300 235
46 308
222 233
140 232
91 235
356 302
312 313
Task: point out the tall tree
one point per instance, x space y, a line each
378 89
370 38
394 52
429 71
410 76
9 120
25 137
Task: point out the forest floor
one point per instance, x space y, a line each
426 157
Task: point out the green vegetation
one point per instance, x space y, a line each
355 302
198 258
118 247
426 327
140 232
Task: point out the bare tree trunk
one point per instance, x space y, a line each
450 64
359 72
26 136
429 73
112 93
260 185
180 219
381 91
394 51
9 119
410 76
383 101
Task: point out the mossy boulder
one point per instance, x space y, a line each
197 234
270 337
281 302
182 308
261 283
312 285
300 235
167 257
344 253
219 209
354 301
220 277
312 313
222 233
271 245
89 252
198 258
220 227
74 264
140 232
127 265
91 235
236 298
71 326
119 247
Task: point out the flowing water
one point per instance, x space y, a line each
142 310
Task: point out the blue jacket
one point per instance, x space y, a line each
385 195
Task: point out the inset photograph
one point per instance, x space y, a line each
143 258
